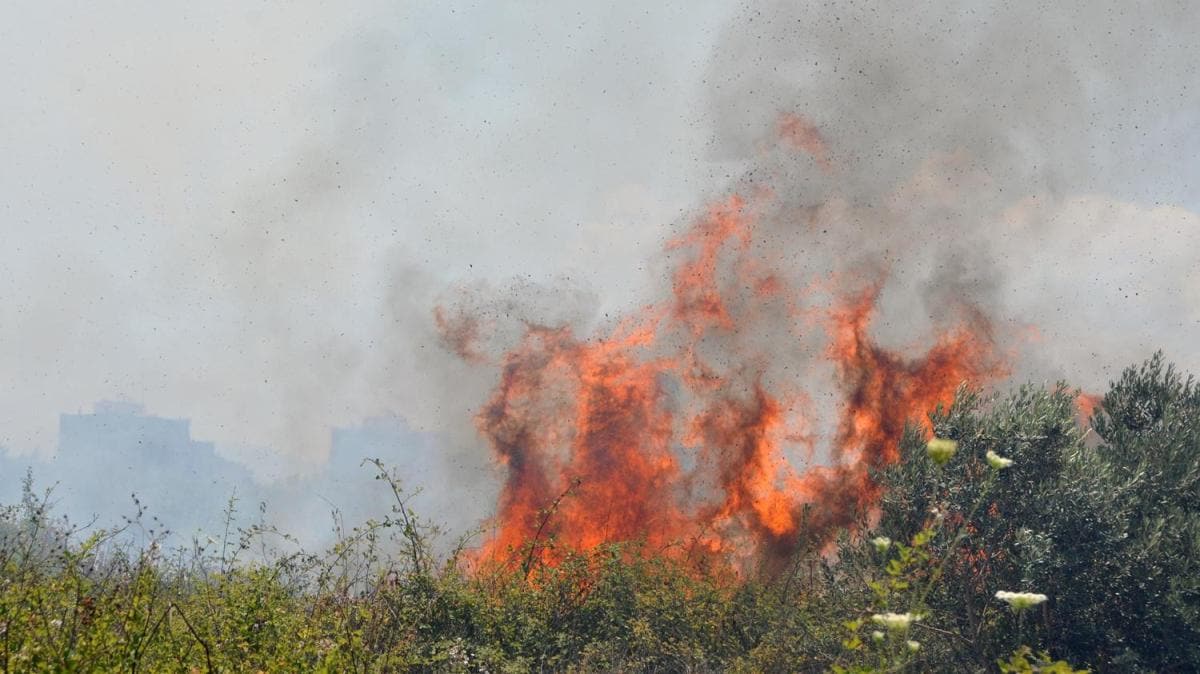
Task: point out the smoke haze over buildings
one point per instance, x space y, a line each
245 215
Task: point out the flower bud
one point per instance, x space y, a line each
1019 601
940 450
894 622
997 462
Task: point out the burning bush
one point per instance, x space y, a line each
688 426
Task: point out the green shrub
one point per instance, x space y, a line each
1106 525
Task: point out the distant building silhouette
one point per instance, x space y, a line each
347 481
411 453
118 450
346 484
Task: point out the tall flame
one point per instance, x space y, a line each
674 430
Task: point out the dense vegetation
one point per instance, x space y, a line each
1105 523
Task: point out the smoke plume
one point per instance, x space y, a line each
926 198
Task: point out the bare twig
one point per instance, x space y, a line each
203 644
948 633
527 567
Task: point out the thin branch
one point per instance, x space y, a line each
948 633
203 644
527 567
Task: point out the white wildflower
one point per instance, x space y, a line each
881 543
997 462
895 622
913 646
940 450
1019 601
877 636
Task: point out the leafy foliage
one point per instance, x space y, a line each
1048 522
1150 426
1105 524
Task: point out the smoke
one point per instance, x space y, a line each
247 216
919 193
1011 156
242 215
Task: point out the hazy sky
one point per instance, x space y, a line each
241 212
205 205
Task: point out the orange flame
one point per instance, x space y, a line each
803 135
657 439
1086 404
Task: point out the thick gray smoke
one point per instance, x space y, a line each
245 215
1032 159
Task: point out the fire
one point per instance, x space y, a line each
673 429
1086 404
459 333
803 135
